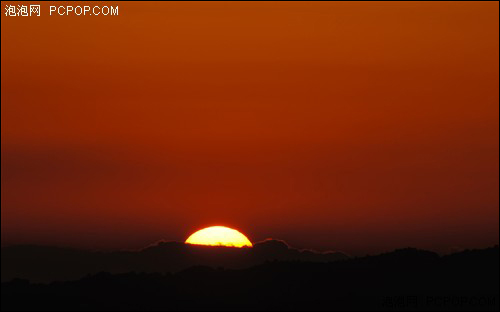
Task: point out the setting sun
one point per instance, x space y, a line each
219 236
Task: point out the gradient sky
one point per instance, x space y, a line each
360 127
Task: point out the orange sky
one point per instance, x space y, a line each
360 127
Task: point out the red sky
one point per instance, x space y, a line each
360 127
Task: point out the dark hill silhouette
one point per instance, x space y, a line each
406 279
45 264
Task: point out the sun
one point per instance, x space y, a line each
219 236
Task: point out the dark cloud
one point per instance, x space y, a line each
43 264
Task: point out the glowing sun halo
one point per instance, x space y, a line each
219 236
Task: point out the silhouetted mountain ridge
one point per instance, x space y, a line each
406 279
